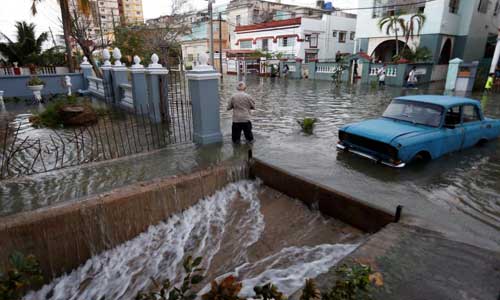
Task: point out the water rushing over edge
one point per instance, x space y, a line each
122 272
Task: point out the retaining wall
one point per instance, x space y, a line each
330 202
65 236
15 86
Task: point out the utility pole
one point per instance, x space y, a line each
210 2
52 35
220 45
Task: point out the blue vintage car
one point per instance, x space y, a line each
419 127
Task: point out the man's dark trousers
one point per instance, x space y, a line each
246 127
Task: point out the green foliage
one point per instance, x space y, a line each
307 124
184 292
50 117
268 292
353 283
34 80
310 291
24 273
227 289
27 48
54 56
421 54
373 84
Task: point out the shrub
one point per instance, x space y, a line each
50 117
23 274
268 292
307 124
310 291
353 283
227 289
34 80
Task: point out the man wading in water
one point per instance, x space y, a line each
241 103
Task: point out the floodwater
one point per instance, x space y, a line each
246 230
458 194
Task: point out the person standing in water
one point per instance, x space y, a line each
241 103
381 76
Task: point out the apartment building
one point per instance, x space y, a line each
131 12
300 38
453 28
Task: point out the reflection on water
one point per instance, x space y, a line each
467 182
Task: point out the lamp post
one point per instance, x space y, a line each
210 3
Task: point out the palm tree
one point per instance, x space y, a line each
411 30
393 23
84 6
27 48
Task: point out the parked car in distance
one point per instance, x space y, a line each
421 127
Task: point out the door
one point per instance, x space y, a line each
453 131
471 121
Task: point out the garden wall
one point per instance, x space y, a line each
65 236
15 86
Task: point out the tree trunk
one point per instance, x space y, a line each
66 22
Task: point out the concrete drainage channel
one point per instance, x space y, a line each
260 224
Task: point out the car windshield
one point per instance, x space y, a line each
414 112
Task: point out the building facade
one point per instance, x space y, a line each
466 29
302 38
131 12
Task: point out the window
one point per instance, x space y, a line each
353 35
342 35
452 116
238 20
287 42
334 33
307 37
190 57
483 6
453 6
310 12
245 44
313 42
138 12
103 17
265 44
470 114
497 8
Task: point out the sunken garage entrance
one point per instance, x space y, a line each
252 220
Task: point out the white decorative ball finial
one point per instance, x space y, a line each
137 63
106 56
117 55
154 61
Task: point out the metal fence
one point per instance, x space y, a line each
118 133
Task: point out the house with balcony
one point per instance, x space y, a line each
466 29
303 38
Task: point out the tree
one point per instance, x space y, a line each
27 48
393 23
84 6
414 26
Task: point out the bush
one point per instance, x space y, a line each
227 289
353 283
50 117
307 124
34 80
23 274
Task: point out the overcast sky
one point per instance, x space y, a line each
48 12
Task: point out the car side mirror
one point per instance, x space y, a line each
450 126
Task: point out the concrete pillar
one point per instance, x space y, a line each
451 77
107 77
86 68
496 55
139 86
120 73
204 91
155 72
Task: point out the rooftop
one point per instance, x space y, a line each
271 24
446 101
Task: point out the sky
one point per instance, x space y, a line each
48 12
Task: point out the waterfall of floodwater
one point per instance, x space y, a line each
230 217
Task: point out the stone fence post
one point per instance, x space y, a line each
119 75
451 77
158 111
107 77
139 86
86 68
204 90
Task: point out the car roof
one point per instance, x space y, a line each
446 101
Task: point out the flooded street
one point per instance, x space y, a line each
458 193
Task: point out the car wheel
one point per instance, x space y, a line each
421 157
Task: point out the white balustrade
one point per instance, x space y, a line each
127 98
96 85
330 69
389 71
